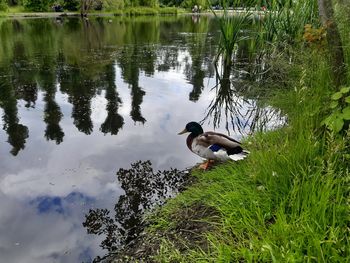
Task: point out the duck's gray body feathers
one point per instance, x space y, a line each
217 146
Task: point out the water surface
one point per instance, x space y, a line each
81 99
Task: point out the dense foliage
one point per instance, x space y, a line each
37 5
115 5
71 5
3 5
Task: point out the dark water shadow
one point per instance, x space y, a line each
144 189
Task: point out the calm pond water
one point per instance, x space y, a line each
81 99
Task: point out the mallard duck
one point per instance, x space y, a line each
212 146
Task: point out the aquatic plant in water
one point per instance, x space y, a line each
231 28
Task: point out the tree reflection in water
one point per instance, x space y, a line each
52 111
129 63
23 76
17 133
231 104
43 58
114 121
144 189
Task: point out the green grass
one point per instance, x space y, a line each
289 201
285 204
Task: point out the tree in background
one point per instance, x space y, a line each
86 6
335 46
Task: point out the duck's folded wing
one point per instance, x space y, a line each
221 134
211 138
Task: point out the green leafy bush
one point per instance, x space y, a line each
133 11
168 10
3 6
189 4
111 5
339 119
71 5
97 5
37 5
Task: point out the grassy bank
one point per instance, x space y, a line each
288 202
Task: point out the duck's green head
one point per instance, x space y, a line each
193 127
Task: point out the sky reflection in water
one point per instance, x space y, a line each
90 107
